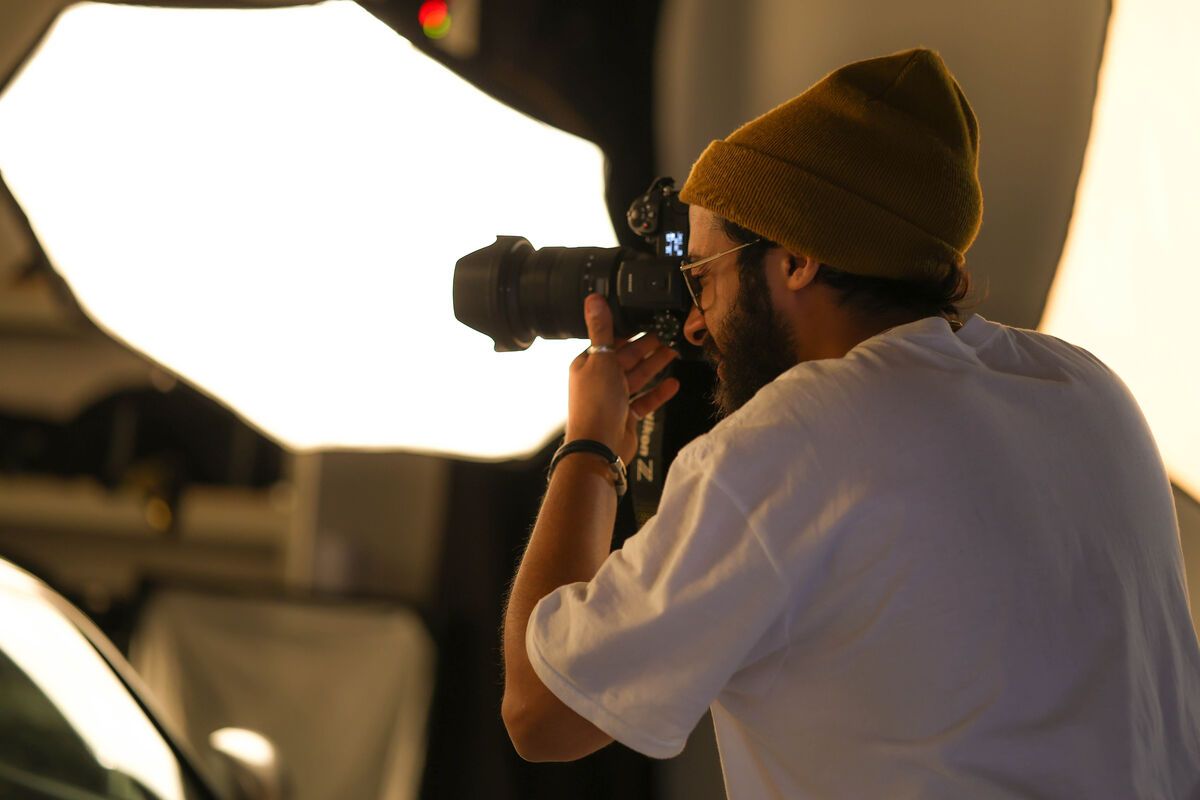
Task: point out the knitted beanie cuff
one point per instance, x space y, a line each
811 216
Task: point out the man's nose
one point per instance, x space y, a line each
694 329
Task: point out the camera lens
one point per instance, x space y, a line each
513 293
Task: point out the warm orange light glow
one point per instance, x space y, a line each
1129 271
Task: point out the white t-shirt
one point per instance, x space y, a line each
943 566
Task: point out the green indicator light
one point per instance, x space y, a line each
440 30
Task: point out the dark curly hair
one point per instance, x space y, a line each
945 297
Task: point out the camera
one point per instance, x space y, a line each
514 293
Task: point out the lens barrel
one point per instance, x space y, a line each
513 293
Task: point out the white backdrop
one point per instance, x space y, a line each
342 690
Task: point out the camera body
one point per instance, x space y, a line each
661 218
514 293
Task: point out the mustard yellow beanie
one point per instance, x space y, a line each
873 170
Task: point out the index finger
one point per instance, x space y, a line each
599 320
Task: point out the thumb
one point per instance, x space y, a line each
599 320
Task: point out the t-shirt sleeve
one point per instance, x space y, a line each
645 647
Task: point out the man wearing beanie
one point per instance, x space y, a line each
921 556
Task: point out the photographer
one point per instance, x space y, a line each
919 556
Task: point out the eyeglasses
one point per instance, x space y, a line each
692 280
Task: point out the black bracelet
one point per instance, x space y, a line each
620 483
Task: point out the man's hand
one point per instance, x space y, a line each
602 384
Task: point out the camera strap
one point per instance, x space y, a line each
648 471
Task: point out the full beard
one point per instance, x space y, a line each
757 347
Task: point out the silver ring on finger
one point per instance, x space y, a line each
600 348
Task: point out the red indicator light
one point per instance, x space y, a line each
432 13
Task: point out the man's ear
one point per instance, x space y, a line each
800 270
